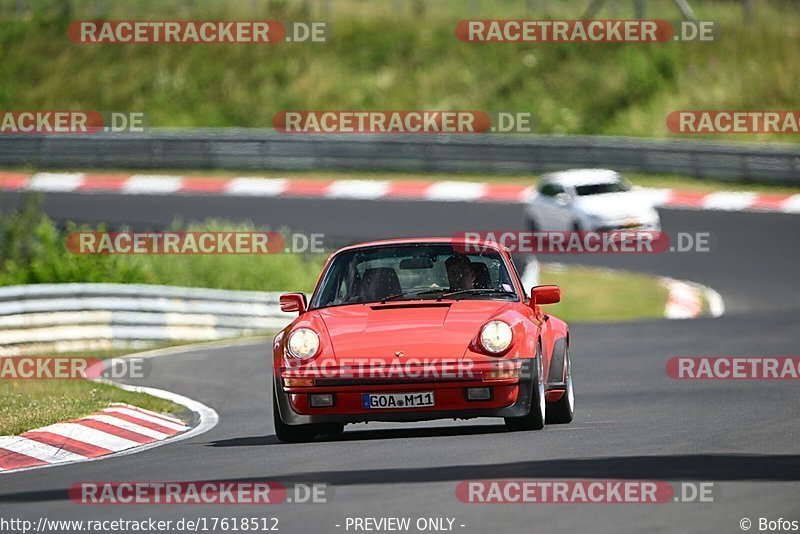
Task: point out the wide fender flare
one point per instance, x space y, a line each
556 345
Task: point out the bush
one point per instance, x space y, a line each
33 251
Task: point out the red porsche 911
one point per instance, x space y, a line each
420 329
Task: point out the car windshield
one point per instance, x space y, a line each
601 189
413 272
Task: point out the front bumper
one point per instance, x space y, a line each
628 225
510 398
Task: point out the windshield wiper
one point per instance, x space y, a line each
473 291
394 297
413 294
442 292
399 296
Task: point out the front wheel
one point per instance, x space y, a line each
290 433
535 418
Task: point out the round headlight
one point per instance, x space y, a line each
496 336
303 343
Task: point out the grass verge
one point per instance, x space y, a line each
33 251
29 404
403 55
592 295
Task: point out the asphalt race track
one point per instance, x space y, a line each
632 420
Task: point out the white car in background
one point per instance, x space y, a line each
585 200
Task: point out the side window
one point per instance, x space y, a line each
550 189
343 294
516 272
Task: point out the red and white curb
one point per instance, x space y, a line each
441 191
118 430
685 300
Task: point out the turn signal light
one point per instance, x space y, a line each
298 382
501 374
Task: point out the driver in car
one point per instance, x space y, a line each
460 273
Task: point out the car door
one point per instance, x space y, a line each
564 201
553 211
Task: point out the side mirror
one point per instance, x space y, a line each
293 302
562 199
545 295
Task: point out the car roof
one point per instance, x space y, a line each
425 241
577 177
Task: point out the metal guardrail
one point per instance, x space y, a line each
83 316
267 149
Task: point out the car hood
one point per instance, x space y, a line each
424 330
614 206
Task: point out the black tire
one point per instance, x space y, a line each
290 433
531 225
535 419
576 226
563 410
330 428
